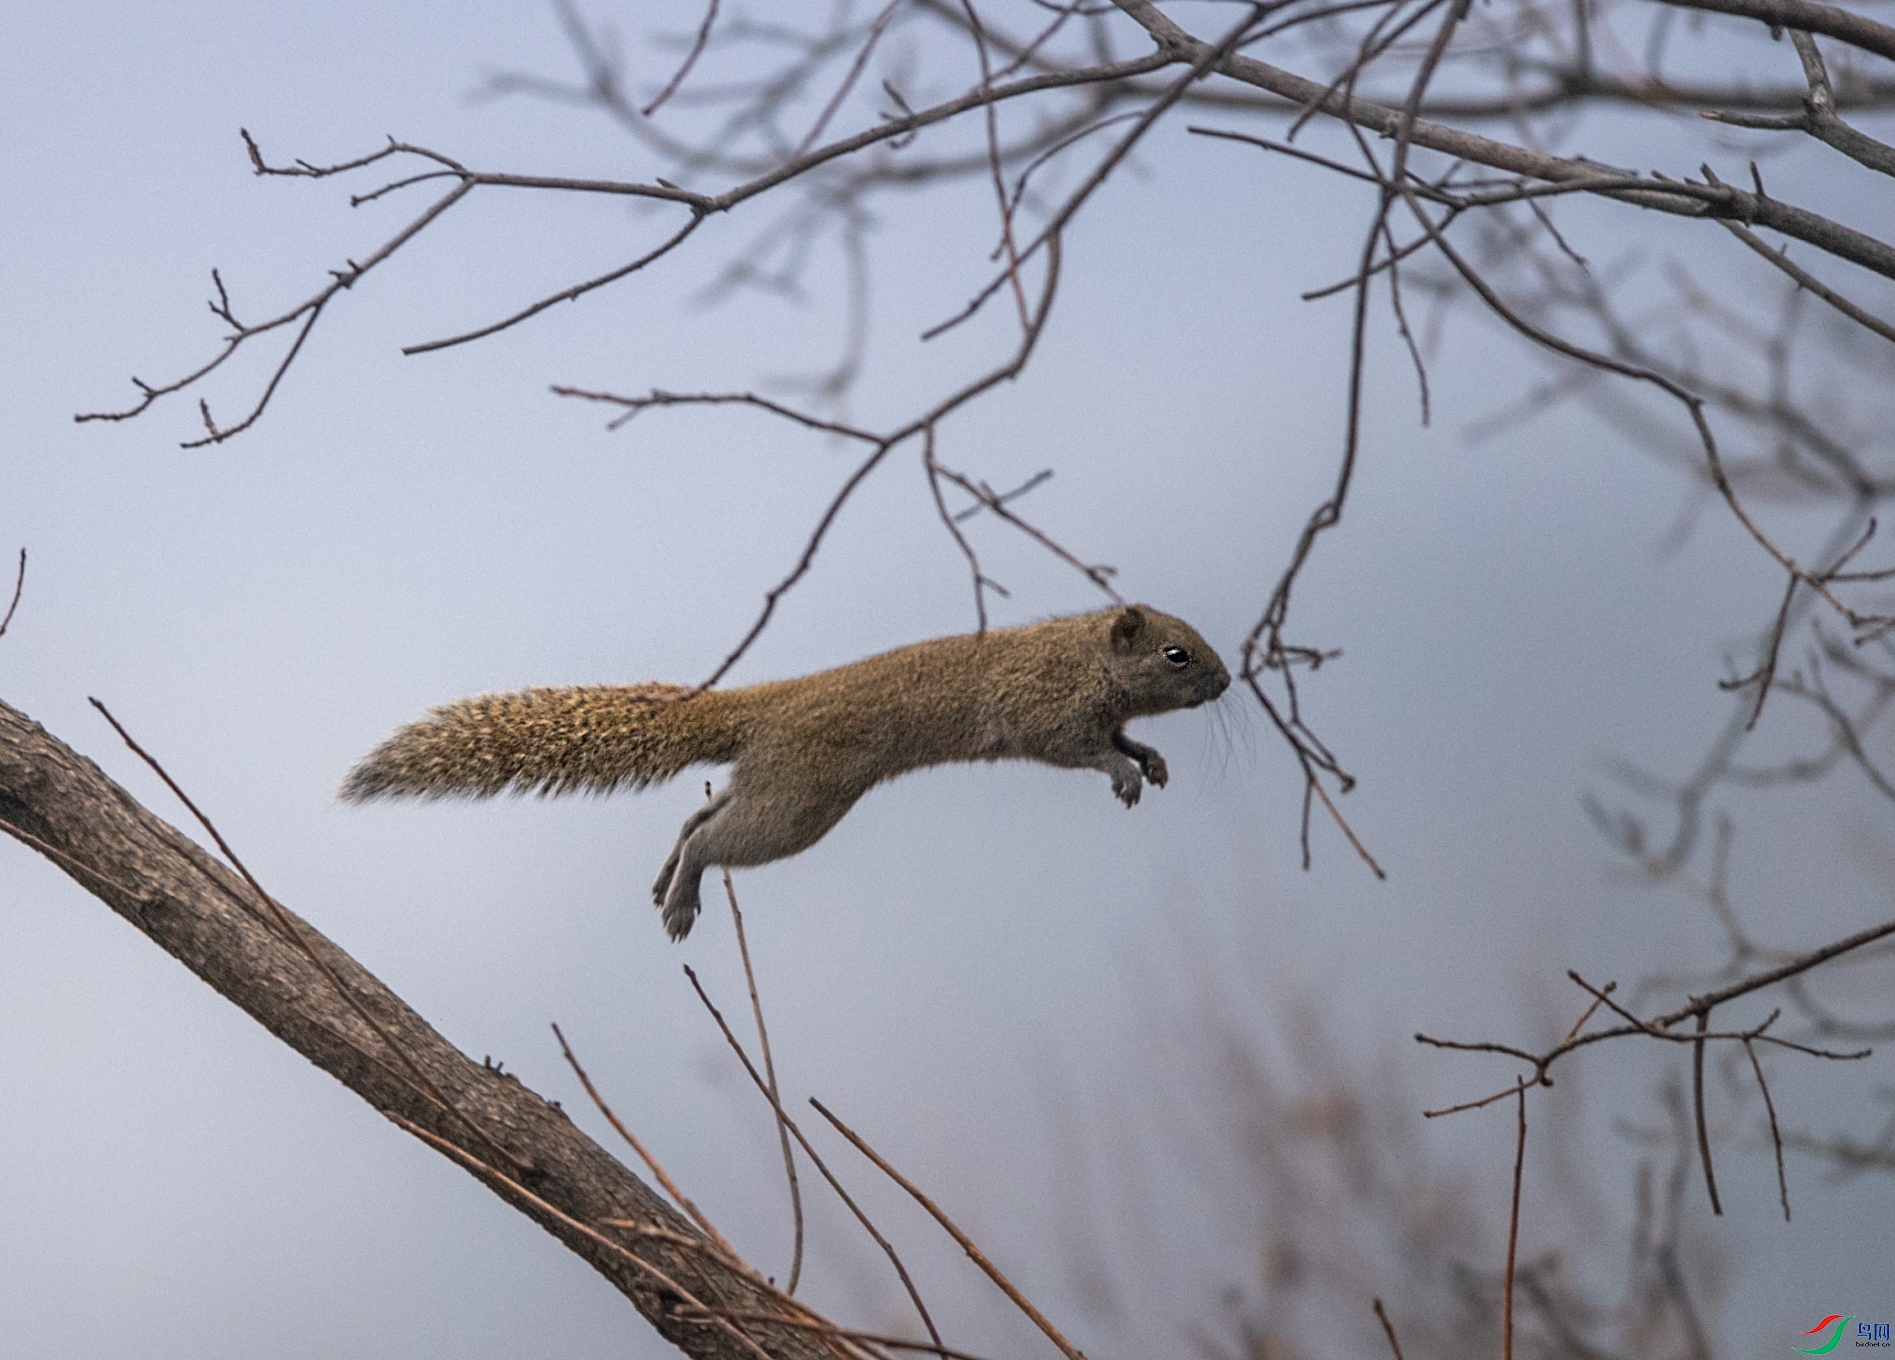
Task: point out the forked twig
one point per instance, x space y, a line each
952 524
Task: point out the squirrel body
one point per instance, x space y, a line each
804 750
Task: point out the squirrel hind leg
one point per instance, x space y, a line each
679 915
691 823
744 825
681 904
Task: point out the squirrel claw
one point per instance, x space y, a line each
1125 785
680 915
1149 762
677 930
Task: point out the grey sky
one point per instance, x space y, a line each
971 946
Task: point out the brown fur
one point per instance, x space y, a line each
805 750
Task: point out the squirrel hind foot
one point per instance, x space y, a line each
678 915
680 908
674 897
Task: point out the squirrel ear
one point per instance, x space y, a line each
1127 626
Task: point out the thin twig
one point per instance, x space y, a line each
19 584
867 48
1480 1104
678 1197
1598 1000
1264 648
966 1243
952 525
854 1334
690 60
1355 841
1776 1136
769 1072
1665 195
1008 246
571 294
1697 1110
28 839
1807 280
1388 1330
701 205
1096 572
1756 981
1513 1231
868 1225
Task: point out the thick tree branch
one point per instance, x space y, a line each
1831 22
197 910
1712 200
1563 83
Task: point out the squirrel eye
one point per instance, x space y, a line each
1177 656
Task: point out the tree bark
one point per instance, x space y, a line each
519 1145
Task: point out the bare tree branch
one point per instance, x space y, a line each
1681 198
1840 24
214 923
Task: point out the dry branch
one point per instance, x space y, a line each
61 804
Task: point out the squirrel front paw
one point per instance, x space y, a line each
1153 766
1125 783
1150 763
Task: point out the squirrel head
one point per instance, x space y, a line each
1161 662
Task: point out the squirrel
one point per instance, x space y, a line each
803 751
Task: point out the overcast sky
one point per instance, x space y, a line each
993 972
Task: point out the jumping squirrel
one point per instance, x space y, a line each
803 751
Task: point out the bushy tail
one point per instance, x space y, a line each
590 738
